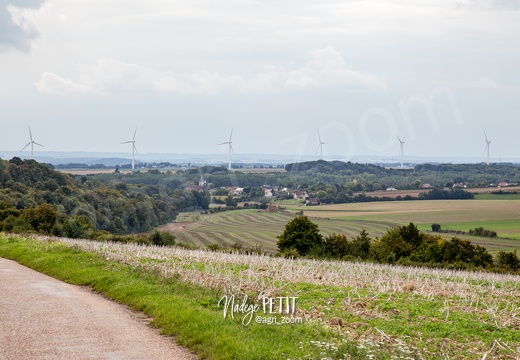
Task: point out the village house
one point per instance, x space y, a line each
298 194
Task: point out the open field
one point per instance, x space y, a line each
255 227
261 171
504 196
89 171
348 310
423 211
106 171
502 216
416 192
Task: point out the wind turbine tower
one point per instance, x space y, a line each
230 148
32 143
320 146
401 152
134 149
486 150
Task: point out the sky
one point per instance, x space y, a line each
85 74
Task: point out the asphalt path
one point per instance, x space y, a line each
44 318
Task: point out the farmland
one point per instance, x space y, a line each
258 228
255 227
349 310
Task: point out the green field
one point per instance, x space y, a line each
497 196
254 227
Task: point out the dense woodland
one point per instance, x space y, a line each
35 197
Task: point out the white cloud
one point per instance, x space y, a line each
326 68
51 83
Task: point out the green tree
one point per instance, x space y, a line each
78 227
42 218
397 243
230 201
336 246
301 234
361 245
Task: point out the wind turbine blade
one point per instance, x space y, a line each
231 147
227 142
135 132
319 137
34 142
127 142
398 138
135 148
230 135
317 149
25 146
486 137
30 133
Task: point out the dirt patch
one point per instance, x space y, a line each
175 228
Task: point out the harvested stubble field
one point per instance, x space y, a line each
404 312
254 227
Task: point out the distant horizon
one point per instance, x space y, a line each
90 157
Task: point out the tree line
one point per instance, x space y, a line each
404 245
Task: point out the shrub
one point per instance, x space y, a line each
162 238
213 247
508 260
480 231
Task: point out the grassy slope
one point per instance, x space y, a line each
254 227
444 314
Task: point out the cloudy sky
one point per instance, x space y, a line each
85 73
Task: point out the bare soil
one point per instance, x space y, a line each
175 227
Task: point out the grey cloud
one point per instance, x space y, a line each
12 34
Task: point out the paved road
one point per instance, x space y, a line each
43 318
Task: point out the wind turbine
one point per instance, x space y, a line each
32 143
230 148
320 146
486 149
401 149
134 149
